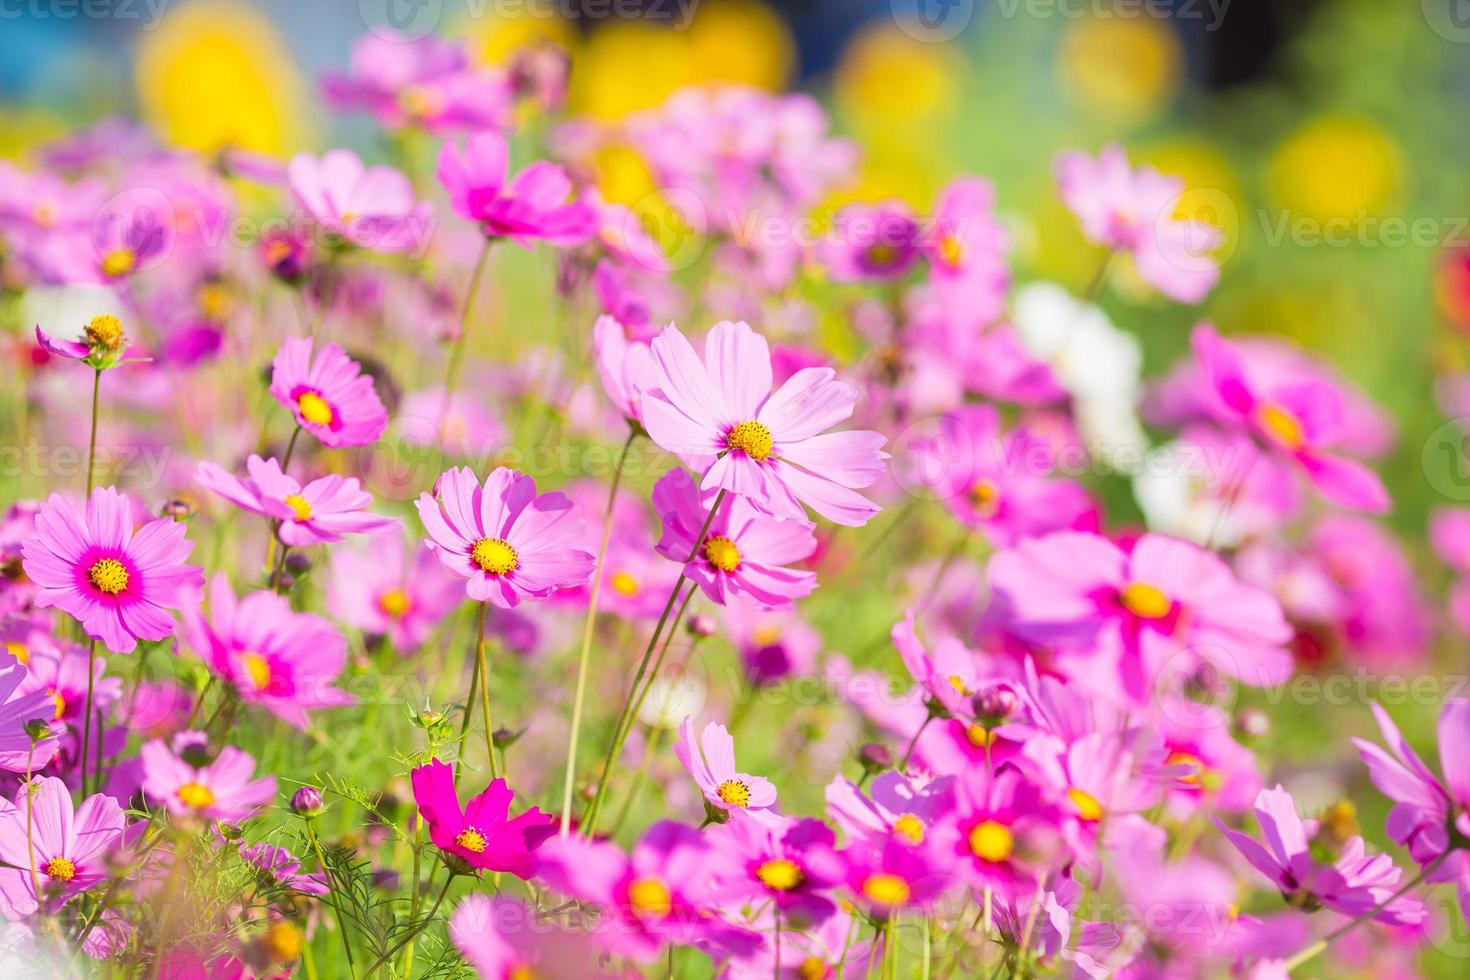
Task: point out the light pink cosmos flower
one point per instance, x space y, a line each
482 833
1118 618
370 207
711 761
966 248
425 82
19 710
721 417
1299 421
43 840
327 394
500 937
321 512
222 789
389 589
532 206
743 556
1352 884
116 581
283 660
773 646
1132 210
507 542
625 366
665 891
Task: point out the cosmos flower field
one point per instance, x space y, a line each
439 563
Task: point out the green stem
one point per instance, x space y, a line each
1099 278
331 880
484 671
587 629
451 374
413 933
914 741
92 441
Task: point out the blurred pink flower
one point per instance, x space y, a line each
370 207
425 82
533 205
321 512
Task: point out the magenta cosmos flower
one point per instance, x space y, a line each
1132 210
388 589
67 849
1117 618
892 878
370 207
790 863
966 247
506 541
742 558
711 761
116 581
500 937
1298 420
666 891
721 417
872 243
273 656
222 789
328 394
483 833
321 512
425 82
1000 832
533 205
1352 884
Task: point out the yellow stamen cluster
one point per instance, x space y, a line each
109 575
495 556
1281 425
19 651
314 408
105 332
910 828
1145 601
985 495
650 896
734 793
951 251
471 840
395 603
751 438
624 584
886 889
991 841
721 552
60 868
779 874
195 795
1088 808
119 262
282 942
299 507
257 668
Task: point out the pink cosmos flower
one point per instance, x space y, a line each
1351 882
1132 210
392 590
61 673
1298 421
1118 618
482 833
425 82
500 937
966 248
321 512
116 581
533 205
665 891
721 417
791 863
282 866
999 484
103 344
623 238
221 789
871 243
42 838
1003 832
744 553
328 394
893 878
711 761
273 656
773 646
19 709
370 207
896 808
508 543
625 366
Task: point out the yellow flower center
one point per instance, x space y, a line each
1281 425
520 973
104 331
650 897
195 795
624 584
1340 821
734 792
118 263
1088 808
1194 762
19 651
257 668
813 968
991 841
495 556
779 874
418 101
109 576
751 438
61 869
282 942
214 301
910 828
1145 601
882 254
951 251
299 507
395 603
980 736
722 553
59 700
471 840
314 408
886 889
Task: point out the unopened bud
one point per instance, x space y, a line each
306 801
703 625
872 757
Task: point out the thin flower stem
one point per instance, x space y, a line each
914 741
778 945
621 730
484 671
1322 944
649 748
1099 278
456 355
588 627
658 663
928 953
275 525
92 441
331 880
87 715
413 933
464 722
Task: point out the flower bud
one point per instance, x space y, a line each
306 801
874 757
703 625
993 706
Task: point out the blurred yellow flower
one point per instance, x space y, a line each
23 128
741 41
628 66
1336 167
217 74
1127 70
891 84
622 174
494 37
